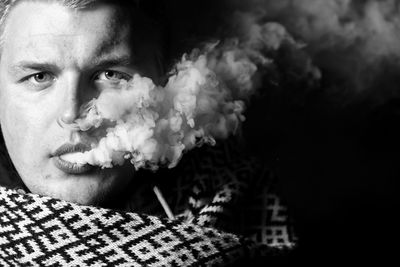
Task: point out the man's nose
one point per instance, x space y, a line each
73 99
70 114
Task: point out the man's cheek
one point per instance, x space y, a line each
20 127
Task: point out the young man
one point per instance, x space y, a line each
54 55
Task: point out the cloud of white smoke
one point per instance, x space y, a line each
356 43
203 100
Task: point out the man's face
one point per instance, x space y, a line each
52 60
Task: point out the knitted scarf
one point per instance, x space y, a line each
213 188
37 231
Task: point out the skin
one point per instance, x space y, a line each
52 60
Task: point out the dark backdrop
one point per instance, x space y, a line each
337 158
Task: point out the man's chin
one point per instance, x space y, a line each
94 187
86 189
83 194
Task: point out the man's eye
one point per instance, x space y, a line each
41 78
114 76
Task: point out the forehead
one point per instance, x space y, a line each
36 21
49 32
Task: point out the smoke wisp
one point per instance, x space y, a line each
203 100
355 43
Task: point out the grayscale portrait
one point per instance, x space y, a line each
198 133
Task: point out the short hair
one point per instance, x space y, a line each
153 11
7 5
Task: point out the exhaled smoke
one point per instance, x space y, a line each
369 24
356 43
203 100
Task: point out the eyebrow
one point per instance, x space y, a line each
101 62
23 66
104 61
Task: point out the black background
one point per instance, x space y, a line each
338 164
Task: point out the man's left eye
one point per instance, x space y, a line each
112 75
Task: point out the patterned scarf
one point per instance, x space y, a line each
39 231
212 189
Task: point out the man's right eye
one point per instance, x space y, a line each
41 78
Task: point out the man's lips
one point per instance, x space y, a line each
70 167
70 148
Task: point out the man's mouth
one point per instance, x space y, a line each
63 156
